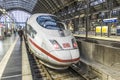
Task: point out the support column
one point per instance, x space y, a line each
87 16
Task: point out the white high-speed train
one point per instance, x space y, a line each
51 42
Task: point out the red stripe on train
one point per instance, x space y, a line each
48 54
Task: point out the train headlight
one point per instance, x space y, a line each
55 44
74 43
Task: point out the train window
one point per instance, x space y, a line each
50 22
54 25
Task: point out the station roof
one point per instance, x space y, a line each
62 8
35 6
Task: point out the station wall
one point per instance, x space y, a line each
106 55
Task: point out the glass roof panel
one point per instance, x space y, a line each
25 4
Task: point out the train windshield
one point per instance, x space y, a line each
50 22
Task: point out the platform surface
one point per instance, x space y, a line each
13 69
5 44
111 38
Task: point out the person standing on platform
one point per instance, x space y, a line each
20 33
15 32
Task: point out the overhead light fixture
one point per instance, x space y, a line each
3 11
80 0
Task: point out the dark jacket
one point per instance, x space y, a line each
20 33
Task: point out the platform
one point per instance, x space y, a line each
5 44
111 38
14 63
13 70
